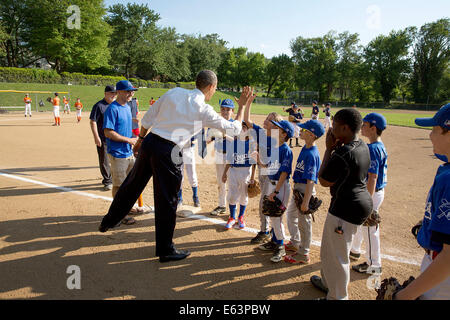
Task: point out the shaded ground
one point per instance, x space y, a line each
43 231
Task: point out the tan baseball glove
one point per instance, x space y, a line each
254 189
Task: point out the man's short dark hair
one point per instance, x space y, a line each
350 117
205 78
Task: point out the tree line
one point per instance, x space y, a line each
85 36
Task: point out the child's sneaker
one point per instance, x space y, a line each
241 223
279 254
230 223
290 247
261 237
297 258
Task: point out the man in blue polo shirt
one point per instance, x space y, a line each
117 126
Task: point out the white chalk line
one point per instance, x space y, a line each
194 216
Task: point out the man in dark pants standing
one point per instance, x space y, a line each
96 123
177 116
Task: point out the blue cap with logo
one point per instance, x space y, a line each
227 103
286 126
376 119
125 85
441 118
315 126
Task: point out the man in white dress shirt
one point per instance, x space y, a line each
177 116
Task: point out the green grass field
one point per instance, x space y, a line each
89 95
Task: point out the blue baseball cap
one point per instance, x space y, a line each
441 118
125 85
286 126
315 126
227 103
377 119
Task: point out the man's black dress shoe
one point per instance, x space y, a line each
174 256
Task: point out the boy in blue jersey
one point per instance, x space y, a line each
373 126
279 168
238 170
265 143
226 111
434 235
305 176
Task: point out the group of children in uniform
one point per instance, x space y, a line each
267 148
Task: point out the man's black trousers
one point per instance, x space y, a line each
154 160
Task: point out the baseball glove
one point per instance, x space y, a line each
314 203
416 228
389 287
254 189
372 220
273 208
49 99
291 118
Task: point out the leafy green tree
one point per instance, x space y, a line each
231 70
316 60
431 59
387 61
349 58
12 15
279 70
134 35
51 33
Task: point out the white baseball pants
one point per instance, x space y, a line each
189 165
238 180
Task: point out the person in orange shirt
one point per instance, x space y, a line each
27 101
66 105
55 102
79 107
152 102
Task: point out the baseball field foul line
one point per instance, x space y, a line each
197 217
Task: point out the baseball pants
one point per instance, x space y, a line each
328 122
154 160
28 109
277 222
238 180
189 165
334 255
264 183
103 161
314 117
299 225
67 108
370 235
439 292
56 111
220 168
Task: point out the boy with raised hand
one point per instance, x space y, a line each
344 170
305 176
220 143
279 168
265 142
434 235
238 171
373 126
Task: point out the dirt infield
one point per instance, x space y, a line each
44 230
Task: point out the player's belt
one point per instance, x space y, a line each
377 190
162 139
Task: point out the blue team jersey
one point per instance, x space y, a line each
378 163
308 165
265 142
437 212
118 118
280 161
238 153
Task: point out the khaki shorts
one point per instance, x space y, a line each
120 167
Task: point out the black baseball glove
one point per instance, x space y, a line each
273 208
416 228
372 220
314 203
389 287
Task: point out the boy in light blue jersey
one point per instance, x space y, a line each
434 235
373 126
305 177
238 171
279 169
